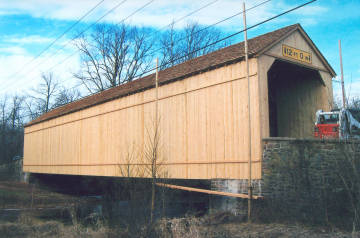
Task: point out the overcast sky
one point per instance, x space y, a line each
29 26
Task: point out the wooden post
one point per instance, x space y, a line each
342 77
157 87
249 108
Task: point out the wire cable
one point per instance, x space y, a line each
213 43
82 32
139 9
58 38
216 23
123 20
225 38
232 35
193 12
86 29
187 15
207 27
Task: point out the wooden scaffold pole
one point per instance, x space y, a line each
342 77
249 109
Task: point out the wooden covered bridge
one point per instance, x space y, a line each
203 114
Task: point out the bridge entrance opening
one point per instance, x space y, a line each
292 94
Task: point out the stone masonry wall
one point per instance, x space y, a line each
312 180
302 179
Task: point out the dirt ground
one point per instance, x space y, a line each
38 212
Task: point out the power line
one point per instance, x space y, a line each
213 43
139 9
193 12
133 13
225 38
97 21
174 22
234 34
124 19
216 23
86 29
59 37
187 15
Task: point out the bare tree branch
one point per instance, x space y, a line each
112 55
185 42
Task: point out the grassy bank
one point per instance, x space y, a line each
42 213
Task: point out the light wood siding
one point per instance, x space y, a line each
299 99
264 64
204 131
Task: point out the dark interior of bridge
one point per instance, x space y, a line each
292 90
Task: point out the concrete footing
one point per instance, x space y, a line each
25 177
236 206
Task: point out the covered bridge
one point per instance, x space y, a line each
203 110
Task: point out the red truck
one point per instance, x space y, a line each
341 123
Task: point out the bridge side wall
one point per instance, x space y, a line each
203 131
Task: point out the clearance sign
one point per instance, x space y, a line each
296 54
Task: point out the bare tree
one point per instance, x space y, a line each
48 95
65 96
16 106
112 55
355 103
3 128
11 128
44 94
3 109
170 51
31 108
193 41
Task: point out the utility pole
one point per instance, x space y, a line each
342 77
248 81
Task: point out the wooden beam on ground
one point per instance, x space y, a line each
199 190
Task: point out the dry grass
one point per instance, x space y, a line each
224 225
32 223
29 226
50 229
188 227
23 195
